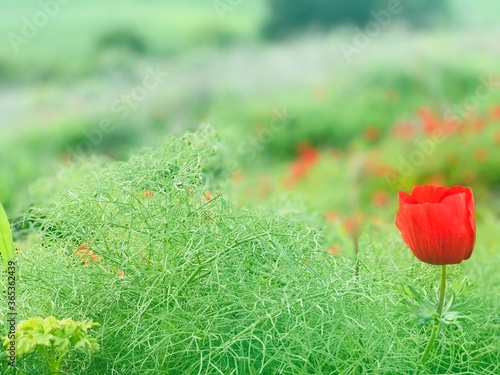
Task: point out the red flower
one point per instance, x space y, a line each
380 198
307 154
371 133
404 131
334 250
478 125
480 154
495 112
148 193
85 255
353 225
429 120
438 223
331 216
436 179
237 176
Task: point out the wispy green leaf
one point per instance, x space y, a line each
6 243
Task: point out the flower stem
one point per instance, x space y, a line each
442 289
356 254
435 327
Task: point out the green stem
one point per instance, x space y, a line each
54 365
431 341
356 255
442 288
435 327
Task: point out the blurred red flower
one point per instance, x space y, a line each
331 216
147 193
353 225
308 156
405 131
436 179
237 176
495 112
85 255
438 223
298 169
480 154
429 121
375 167
334 250
371 133
478 125
380 198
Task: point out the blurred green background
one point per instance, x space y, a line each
69 69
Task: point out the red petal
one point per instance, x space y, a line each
472 220
428 193
455 190
406 198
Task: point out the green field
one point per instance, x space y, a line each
66 42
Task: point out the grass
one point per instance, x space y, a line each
211 288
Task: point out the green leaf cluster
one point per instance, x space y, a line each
417 303
53 338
